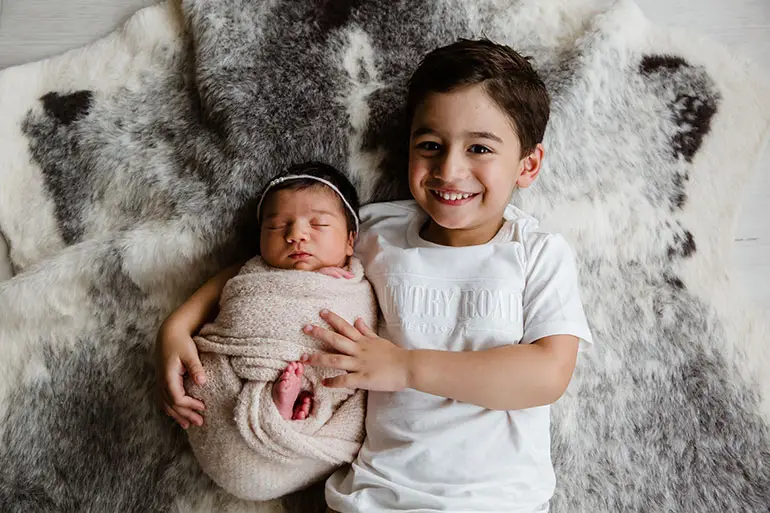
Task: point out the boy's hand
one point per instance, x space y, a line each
336 272
372 362
177 355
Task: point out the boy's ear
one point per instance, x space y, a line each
529 167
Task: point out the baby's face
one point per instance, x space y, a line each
304 230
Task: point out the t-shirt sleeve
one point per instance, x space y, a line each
552 303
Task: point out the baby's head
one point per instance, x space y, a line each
308 218
477 113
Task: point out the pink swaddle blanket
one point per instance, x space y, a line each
245 445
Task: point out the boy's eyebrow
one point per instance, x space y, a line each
486 135
423 130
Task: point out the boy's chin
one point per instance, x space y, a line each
466 221
453 224
451 218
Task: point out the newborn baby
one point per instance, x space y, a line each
270 426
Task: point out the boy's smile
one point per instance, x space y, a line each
464 163
451 197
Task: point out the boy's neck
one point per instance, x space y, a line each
433 232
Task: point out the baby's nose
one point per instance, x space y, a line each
296 233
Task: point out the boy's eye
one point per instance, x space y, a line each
429 146
478 148
275 227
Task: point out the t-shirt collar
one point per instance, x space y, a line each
419 219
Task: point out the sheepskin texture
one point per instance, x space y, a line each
245 445
129 169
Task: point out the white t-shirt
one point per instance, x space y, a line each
425 453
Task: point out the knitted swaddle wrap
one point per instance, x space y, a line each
244 445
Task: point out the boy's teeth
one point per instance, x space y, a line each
452 196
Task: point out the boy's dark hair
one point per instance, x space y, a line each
508 78
325 172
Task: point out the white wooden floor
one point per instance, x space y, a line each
31 29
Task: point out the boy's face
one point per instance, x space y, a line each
305 230
464 163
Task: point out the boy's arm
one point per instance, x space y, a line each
177 354
194 312
532 373
504 378
511 377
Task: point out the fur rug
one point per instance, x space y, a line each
129 169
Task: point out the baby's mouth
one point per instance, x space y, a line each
299 255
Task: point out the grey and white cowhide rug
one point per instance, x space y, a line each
128 171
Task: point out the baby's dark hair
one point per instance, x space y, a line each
324 172
509 79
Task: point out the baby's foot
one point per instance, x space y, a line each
303 406
286 389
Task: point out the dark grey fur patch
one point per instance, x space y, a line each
90 437
693 114
679 196
684 245
51 145
690 439
66 108
675 282
333 14
656 63
113 290
386 23
693 105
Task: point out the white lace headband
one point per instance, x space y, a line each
327 183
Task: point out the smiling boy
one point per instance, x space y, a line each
481 313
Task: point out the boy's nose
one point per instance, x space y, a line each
450 167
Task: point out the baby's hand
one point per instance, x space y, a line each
177 355
336 272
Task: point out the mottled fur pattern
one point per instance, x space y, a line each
128 173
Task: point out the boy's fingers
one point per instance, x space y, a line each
343 381
365 330
191 416
177 418
191 403
186 401
195 369
178 398
174 386
334 361
340 325
339 342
